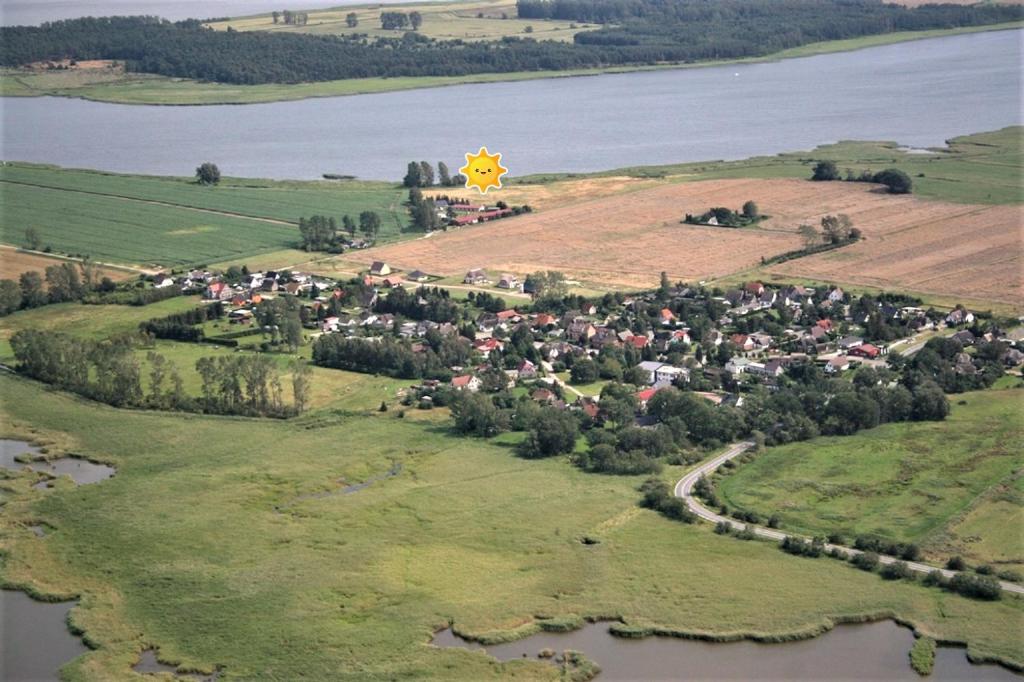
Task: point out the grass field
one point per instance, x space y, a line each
952 487
167 221
441 21
184 550
98 84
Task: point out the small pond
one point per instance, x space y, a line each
81 471
871 651
34 638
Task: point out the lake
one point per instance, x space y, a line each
872 651
919 93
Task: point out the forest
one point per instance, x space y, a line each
638 32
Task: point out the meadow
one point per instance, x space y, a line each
215 544
951 487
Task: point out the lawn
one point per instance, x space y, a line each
203 546
150 220
951 487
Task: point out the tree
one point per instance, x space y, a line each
896 180
276 15
415 20
930 403
157 373
444 177
302 375
369 223
584 371
825 170
413 176
750 210
348 225
426 174
351 20
32 239
554 432
63 283
10 296
208 174
836 228
33 293
809 235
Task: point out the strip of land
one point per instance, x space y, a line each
104 81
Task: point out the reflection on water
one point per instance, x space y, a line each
872 651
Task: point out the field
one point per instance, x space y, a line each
103 86
952 487
626 239
203 546
167 221
14 261
471 21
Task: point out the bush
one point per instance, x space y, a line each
800 547
723 527
746 534
897 570
976 586
1012 576
865 561
774 521
825 170
836 539
985 569
935 578
956 563
896 180
658 496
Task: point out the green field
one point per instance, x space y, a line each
471 21
168 221
184 550
982 168
952 487
149 89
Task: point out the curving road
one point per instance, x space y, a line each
684 490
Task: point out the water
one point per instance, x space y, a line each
81 471
919 93
34 638
30 12
874 651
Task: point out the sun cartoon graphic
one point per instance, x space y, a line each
483 170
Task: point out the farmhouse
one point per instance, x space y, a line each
476 276
380 268
508 281
466 382
418 276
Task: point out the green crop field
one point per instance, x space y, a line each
952 487
204 545
154 220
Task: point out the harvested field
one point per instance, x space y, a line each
968 251
626 240
14 261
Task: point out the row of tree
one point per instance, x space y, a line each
392 357
421 174
398 21
109 371
320 233
59 284
895 180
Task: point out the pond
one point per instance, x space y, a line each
81 471
918 93
877 651
34 638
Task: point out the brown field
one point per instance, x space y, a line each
627 239
14 261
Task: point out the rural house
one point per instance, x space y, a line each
380 268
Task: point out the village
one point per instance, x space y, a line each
562 350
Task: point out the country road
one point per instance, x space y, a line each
684 490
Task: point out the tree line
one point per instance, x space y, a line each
109 371
320 233
421 174
644 32
393 357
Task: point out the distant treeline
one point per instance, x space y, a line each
644 32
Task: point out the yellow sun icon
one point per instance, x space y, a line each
483 170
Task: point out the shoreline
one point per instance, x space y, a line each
154 90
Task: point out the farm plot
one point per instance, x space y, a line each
909 244
970 252
14 261
126 231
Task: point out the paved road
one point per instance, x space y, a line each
684 490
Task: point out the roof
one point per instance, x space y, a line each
462 380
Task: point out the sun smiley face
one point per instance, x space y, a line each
483 170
